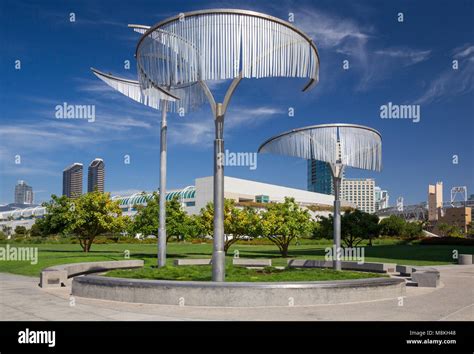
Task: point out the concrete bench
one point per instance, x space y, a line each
465 259
308 263
191 261
426 277
52 278
364 267
370 267
57 276
404 270
251 263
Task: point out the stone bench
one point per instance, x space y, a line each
251 263
426 277
57 276
364 267
404 270
191 261
465 259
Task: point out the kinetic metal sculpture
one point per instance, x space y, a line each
338 144
201 46
164 99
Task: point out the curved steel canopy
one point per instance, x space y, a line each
150 30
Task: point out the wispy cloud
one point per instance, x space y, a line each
452 83
406 55
200 130
357 42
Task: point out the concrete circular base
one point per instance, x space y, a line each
236 294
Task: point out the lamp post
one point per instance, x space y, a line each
206 45
338 144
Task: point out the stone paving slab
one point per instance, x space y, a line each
22 300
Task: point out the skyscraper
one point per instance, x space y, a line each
23 193
381 198
359 191
320 177
72 180
95 176
435 200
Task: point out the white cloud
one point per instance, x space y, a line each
452 83
406 55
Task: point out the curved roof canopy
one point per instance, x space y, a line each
347 144
224 44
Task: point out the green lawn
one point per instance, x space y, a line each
203 273
52 254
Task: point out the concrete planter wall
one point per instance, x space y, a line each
237 294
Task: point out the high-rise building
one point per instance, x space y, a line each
435 200
381 198
23 193
320 177
360 191
72 180
95 176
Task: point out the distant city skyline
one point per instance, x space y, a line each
23 193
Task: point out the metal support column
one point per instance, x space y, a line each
219 110
162 195
337 224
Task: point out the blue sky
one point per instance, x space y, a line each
407 62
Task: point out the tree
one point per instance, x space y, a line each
413 229
94 214
282 222
237 222
58 216
323 228
357 225
36 229
21 231
192 227
392 226
146 220
444 229
176 219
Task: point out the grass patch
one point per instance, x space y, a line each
239 274
53 254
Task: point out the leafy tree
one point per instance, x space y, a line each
444 229
282 222
323 228
146 220
36 229
191 228
21 231
357 225
413 229
176 219
94 214
237 222
58 216
392 226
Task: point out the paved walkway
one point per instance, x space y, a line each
22 300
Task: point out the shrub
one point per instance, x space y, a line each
392 226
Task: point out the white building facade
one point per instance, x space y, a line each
359 191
